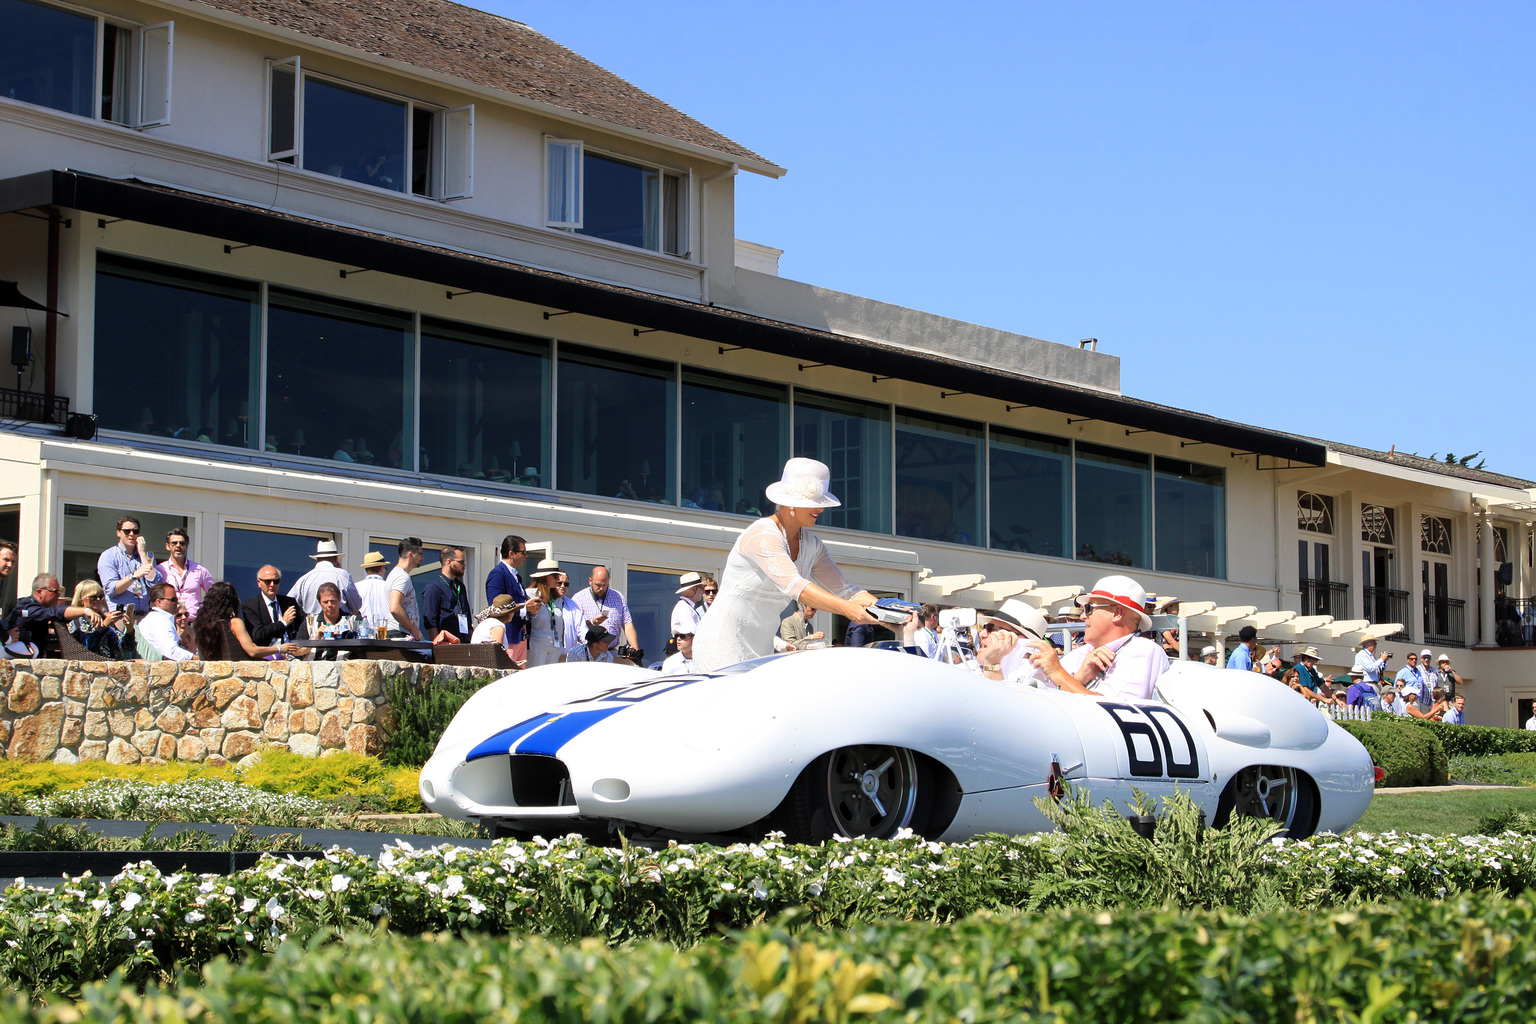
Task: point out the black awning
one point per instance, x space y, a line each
246 225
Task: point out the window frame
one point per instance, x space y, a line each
574 184
441 188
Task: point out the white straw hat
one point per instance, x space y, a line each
1123 591
803 484
325 549
1022 617
687 581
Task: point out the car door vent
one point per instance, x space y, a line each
539 781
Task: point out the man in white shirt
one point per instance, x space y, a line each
1004 654
926 638
306 588
374 590
682 661
1115 663
402 592
158 625
1366 661
689 609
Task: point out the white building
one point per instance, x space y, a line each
408 268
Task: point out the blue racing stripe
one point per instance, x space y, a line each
556 734
502 742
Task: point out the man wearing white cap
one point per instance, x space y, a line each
1430 677
1209 655
688 612
327 558
1116 663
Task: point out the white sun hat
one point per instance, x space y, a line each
802 485
325 549
1021 616
689 580
1123 591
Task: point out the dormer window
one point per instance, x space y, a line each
57 57
621 200
362 135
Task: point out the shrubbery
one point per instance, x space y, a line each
422 713
1411 756
1479 740
49 837
1464 960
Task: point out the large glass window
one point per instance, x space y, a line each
617 200
938 479
1114 506
1030 492
48 57
176 352
1191 518
615 425
484 404
735 433
337 378
247 549
651 596
854 439
355 135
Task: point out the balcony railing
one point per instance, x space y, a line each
1383 604
1445 621
28 405
1325 597
1515 622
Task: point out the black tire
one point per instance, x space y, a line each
868 790
1285 795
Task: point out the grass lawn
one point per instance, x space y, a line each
1442 813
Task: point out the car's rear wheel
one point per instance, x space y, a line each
1283 795
870 790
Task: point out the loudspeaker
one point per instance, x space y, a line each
21 347
81 426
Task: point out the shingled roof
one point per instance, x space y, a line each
491 51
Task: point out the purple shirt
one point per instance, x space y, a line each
190 584
611 602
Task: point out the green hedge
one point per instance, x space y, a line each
1465 960
1410 755
1479 740
422 712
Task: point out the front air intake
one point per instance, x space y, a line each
539 781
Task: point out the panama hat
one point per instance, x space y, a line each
1309 652
803 484
1208 652
547 567
1123 591
373 560
326 549
1021 617
1368 638
687 581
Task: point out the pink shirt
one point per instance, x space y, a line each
190 585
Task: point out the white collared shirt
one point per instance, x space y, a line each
159 627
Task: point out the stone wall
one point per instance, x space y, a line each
214 711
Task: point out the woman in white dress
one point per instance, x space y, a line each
547 628
775 561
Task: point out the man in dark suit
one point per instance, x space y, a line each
273 617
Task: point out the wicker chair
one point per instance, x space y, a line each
475 655
71 649
232 650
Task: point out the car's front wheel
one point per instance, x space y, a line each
869 790
1283 795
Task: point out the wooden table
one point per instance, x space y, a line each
375 649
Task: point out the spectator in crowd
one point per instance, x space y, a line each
1428 677
127 569
1115 663
190 579
306 589
1309 681
221 608
711 590
504 579
491 624
594 646
926 637
1362 693
1209 655
1449 680
1242 656
1409 682
113 639
601 605
29 620
795 630
1440 707
1271 663
402 590
682 661
157 627
7 566
373 589
573 623
445 611
271 618
689 609
332 621
1370 666
1530 723
1457 715
184 634
1390 702
549 629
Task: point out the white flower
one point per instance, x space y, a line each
194 917
814 889
454 885
728 886
339 883
132 900
275 909
249 905
1394 871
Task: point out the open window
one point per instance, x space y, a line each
82 64
457 153
155 43
613 198
285 116
562 183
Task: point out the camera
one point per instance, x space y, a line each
957 618
634 654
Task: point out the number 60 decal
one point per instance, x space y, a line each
1140 720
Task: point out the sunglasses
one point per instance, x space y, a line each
270 580
711 591
128 529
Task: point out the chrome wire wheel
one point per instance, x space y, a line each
1267 791
871 790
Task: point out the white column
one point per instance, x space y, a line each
1490 566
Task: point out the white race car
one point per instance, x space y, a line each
862 742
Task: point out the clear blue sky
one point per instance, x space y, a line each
1316 217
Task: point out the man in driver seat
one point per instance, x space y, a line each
1114 663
